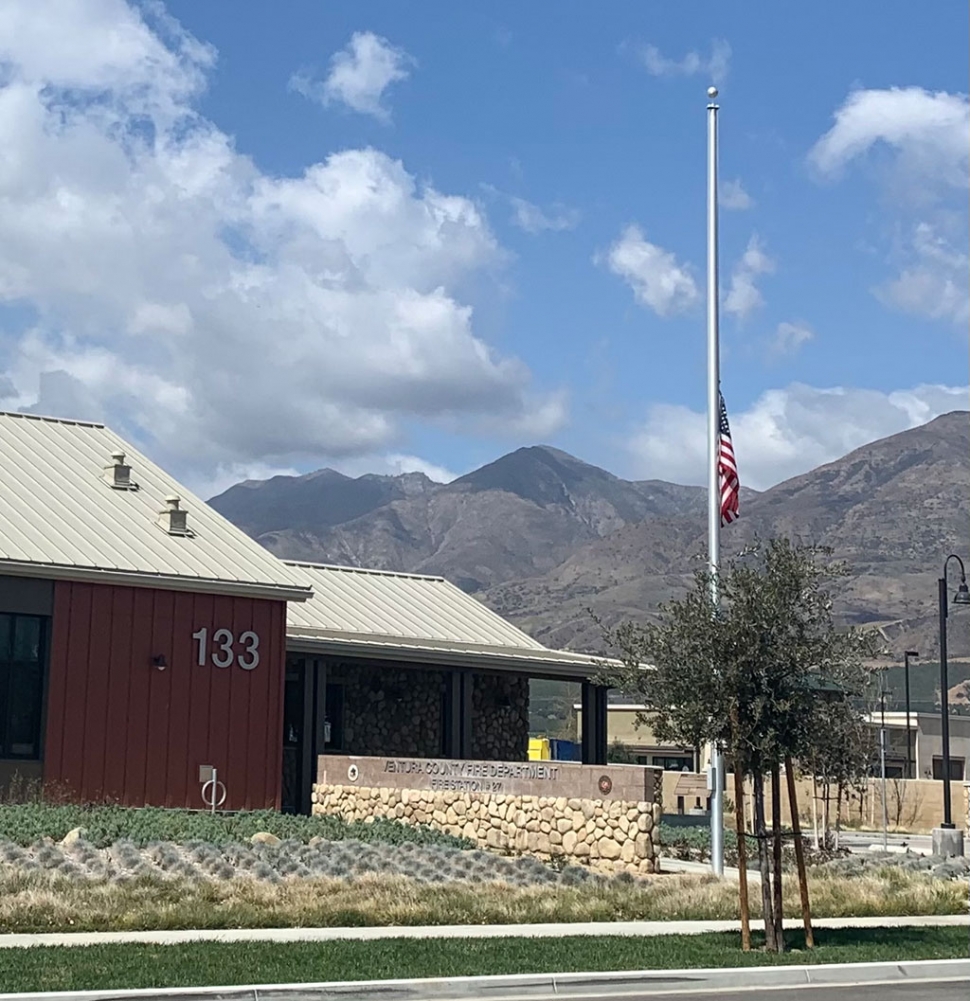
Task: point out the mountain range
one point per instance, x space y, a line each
543 537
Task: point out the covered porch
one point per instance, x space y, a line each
388 664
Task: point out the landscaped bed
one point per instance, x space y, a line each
118 869
51 901
26 823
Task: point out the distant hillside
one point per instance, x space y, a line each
893 509
542 536
519 516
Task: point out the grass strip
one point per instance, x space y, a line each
114 967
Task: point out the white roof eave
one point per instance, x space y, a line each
166 582
523 660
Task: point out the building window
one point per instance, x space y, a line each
671 763
22 662
956 769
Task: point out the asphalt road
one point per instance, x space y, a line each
859 841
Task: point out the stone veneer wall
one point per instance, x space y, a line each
399 711
500 717
391 710
607 835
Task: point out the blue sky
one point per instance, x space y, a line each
417 235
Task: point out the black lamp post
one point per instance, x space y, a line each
962 597
910 765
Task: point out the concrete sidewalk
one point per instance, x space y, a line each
624 928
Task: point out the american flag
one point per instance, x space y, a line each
727 469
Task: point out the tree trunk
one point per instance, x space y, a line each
815 810
743 901
838 818
825 810
776 855
799 854
762 835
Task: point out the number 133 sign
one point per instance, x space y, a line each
225 649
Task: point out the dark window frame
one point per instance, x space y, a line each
9 668
958 766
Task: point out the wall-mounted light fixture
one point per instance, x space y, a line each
159 661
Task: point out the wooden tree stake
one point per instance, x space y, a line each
771 942
779 912
742 855
799 855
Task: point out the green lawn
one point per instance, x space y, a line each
112 967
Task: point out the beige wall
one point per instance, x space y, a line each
622 725
913 805
929 742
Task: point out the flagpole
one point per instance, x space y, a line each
713 480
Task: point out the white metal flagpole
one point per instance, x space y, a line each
713 432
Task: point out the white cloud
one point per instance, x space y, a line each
210 483
744 296
359 75
415 464
218 315
786 431
934 280
789 337
714 67
533 219
658 280
928 132
924 184
733 196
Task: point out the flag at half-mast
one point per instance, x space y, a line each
727 469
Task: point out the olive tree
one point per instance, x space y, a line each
760 675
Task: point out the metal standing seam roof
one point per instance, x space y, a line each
59 518
386 613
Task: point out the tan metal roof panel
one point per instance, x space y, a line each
407 607
60 518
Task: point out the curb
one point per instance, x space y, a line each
376 932
539 987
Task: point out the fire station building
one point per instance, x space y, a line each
145 640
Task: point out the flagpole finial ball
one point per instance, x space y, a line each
712 92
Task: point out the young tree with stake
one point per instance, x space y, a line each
763 675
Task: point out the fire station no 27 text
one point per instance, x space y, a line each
222 652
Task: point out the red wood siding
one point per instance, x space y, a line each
119 729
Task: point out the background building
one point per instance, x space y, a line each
639 740
925 745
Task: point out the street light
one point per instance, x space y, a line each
910 766
962 597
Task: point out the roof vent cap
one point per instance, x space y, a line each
118 474
173 519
